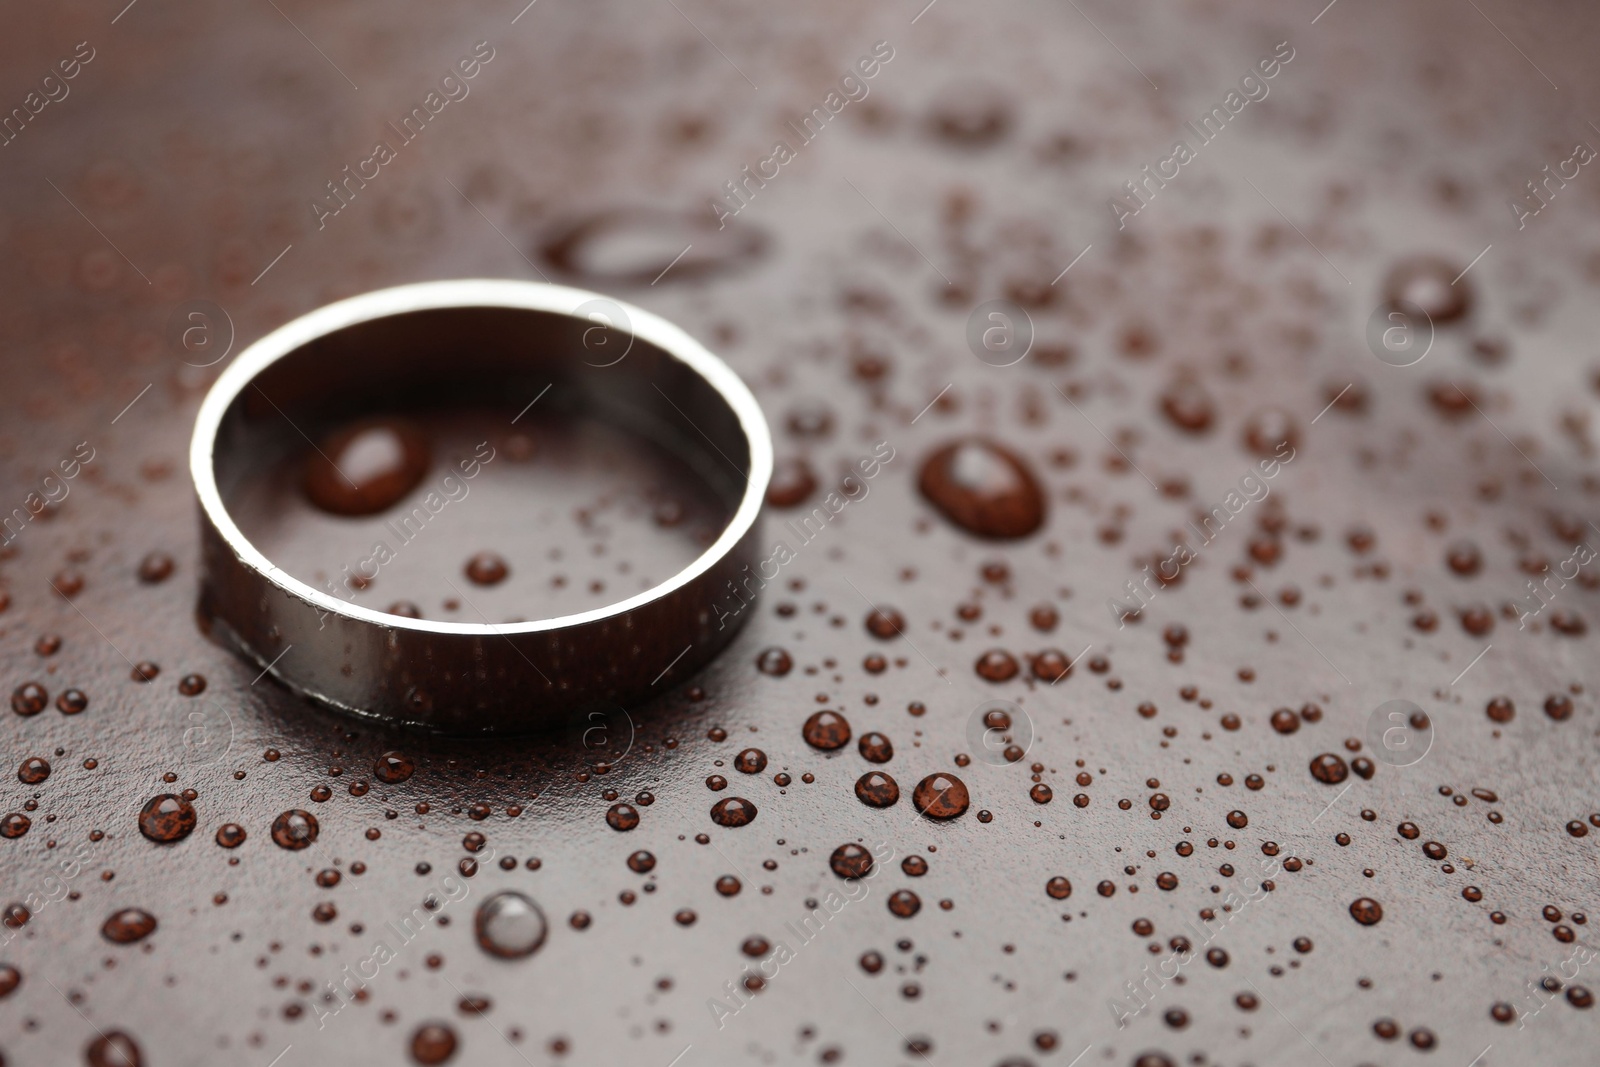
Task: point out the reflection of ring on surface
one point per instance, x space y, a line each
500 339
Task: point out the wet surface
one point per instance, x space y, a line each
1268 724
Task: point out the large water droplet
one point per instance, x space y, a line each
877 790
510 925
1366 911
128 925
114 1048
167 818
366 468
826 730
294 829
392 768
732 812
851 861
984 488
433 1043
941 796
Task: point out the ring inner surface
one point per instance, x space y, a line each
481 464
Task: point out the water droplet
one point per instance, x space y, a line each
167 818
114 1048
904 903
885 623
941 796
792 483
622 817
984 488
1329 769
997 665
1426 282
128 925
511 926
1478 620
294 829
433 1043
826 730
1187 404
1051 665
732 812
1366 911
29 698
974 116
875 748
155 567
774 662
877 790
750 761
1464 558
486 568
68 582
34 770
851 861
641 862
392 768
366 468
14 825
1058 888
1271 432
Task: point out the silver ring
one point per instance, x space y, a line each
468 677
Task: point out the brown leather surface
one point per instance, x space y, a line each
182 162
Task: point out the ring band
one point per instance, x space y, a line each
513 338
